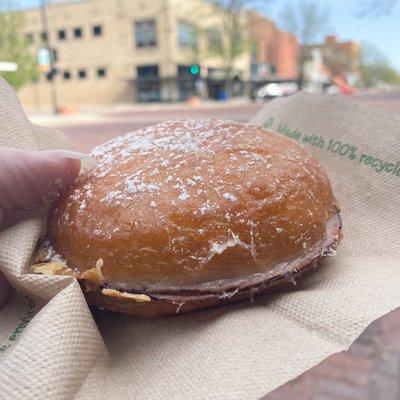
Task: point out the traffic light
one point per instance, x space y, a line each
195 69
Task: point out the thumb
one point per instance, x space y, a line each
28 177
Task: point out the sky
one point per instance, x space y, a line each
383 32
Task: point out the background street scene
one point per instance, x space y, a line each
65 56
93 127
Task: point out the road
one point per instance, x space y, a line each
111 123
114 123
370 369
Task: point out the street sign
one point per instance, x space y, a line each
44 59
7 66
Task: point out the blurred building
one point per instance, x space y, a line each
340 58
316 76
274 52
109 51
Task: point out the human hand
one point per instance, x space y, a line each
28 178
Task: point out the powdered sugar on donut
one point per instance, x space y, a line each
202 188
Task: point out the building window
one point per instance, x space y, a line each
78 33
30 38
214 40
67 75
101 72
145 33
62 34
82 74
43 36
147 71
187 35
148 83
97 30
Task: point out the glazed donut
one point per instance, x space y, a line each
189 214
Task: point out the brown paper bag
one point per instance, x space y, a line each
50 346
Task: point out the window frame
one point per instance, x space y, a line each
59 35
148 85
185 44
75 30
153 42
100 28
67 73
82 76
105 73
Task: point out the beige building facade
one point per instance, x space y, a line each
122 51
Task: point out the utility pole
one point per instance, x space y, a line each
51 74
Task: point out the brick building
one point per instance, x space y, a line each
111 51
275 53
340 58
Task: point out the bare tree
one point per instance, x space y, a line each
374 8
235 31
228 39
308 20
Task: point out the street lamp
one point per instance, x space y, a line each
46 42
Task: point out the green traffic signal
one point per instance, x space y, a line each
195 69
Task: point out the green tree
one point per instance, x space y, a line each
235 39
229 39
376 68
14 47
234 26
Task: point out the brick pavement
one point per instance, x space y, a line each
369 370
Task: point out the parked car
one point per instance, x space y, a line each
331 89
276 89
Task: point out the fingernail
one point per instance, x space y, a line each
87 162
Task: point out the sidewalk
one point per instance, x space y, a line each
369 370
